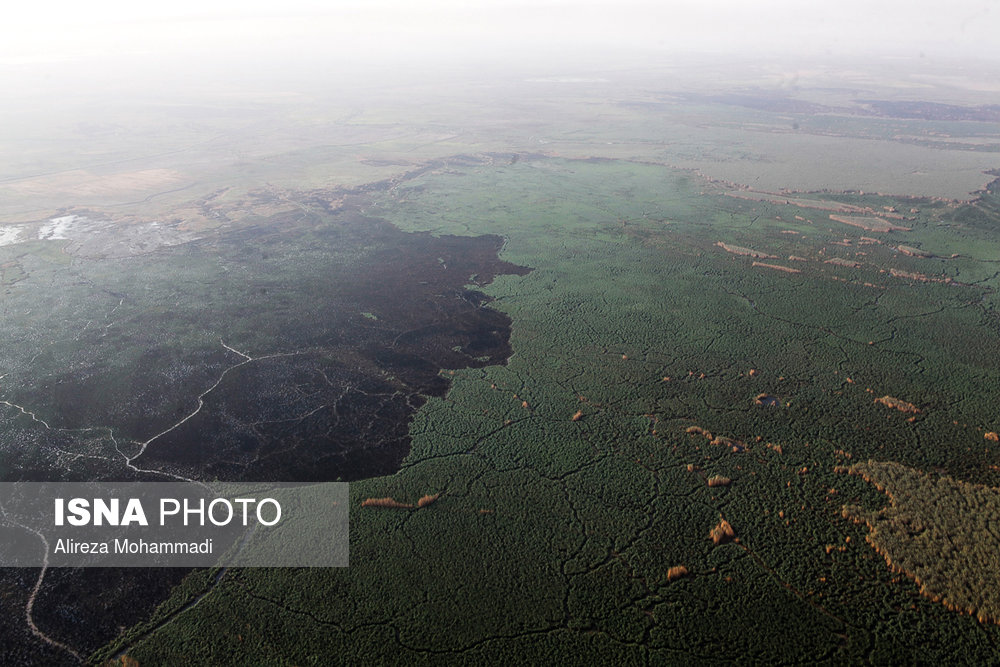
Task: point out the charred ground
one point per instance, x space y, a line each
295 347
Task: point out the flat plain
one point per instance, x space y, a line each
696 335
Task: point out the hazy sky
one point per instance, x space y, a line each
33 31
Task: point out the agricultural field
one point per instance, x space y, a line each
620 370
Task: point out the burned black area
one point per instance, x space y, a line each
780 102
937 111
756 99
18 646
87 607
335 400
349 322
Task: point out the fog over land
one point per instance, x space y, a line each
654 304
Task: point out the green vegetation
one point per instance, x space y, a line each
557 536
941 532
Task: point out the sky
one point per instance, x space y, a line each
122 49
48 30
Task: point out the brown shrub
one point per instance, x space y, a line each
722 533
391 503
697 430
427 499
898 404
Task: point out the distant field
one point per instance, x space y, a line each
135 156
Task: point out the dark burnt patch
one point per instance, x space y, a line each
375 321
351 324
